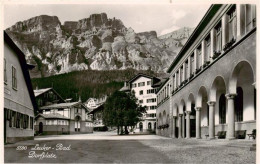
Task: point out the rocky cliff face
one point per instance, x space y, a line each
97 43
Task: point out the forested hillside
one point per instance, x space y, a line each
89 83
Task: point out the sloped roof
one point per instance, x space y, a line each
40 91
100 107
161 84
201 26
124 88
63 105
141 75
52 116
24 67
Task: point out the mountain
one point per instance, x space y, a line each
93 43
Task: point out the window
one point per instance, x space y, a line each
181 74
207 51
5 75
250 17
141 84
141 101
232 23
151 100
199 56
134 85
149 91
152 107
192 63
12 117
39 102
218 37
141 92
18 116
187 69
14 78
148 82
31 122
177 78
174 82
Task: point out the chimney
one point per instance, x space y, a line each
36 88
125 84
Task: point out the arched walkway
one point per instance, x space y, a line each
175 124
191 117
217 90
202 112
241 97
182 110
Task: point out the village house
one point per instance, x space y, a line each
57 116
144 87
211 90
93 103
47 96
96 105
19 100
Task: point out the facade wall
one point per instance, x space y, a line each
16 99
53 129
203 90
144 97
162 113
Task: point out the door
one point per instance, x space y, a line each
40 127
141 126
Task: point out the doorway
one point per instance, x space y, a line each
40 127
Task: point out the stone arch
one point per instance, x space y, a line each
191 100
175 110
217 90
202 102
242 69
218 85
202 93
182 105
241 83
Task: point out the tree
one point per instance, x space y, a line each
121 109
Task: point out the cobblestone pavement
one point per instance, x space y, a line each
107 147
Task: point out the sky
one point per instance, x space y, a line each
162 18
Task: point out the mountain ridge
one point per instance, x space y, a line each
93 43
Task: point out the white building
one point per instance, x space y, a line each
93 103
19 100
144 87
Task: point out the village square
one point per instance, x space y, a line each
201 110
